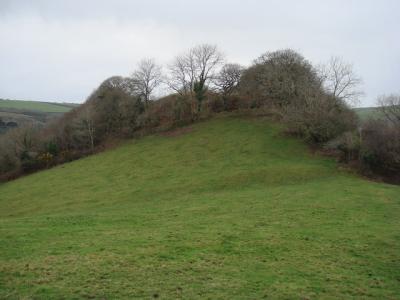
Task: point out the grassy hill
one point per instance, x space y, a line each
47 107
225 209
31 112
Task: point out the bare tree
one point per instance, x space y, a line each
146 78
339 79
228 78
88 122
190 72
390 107
181 77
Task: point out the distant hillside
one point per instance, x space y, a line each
368 112
47 107
224 209
20 112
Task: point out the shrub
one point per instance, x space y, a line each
319 119
380 147
279 78
347 146
8 160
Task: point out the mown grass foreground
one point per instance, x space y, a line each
231 209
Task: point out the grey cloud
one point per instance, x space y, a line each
60 50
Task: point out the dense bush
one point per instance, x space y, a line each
346 146
19 149
380 146
319 119
279 78
9 160
286 82
375 145
173 110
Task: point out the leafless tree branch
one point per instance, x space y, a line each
199 64
228 78
339 79
146 78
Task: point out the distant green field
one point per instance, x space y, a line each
35 106
230 209
368 112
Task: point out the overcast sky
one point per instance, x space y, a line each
61 50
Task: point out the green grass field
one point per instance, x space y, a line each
232 209
35 106
369 112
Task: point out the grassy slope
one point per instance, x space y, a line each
230 210
35 106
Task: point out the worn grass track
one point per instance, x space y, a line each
231 209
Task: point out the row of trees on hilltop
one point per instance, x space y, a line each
313 102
